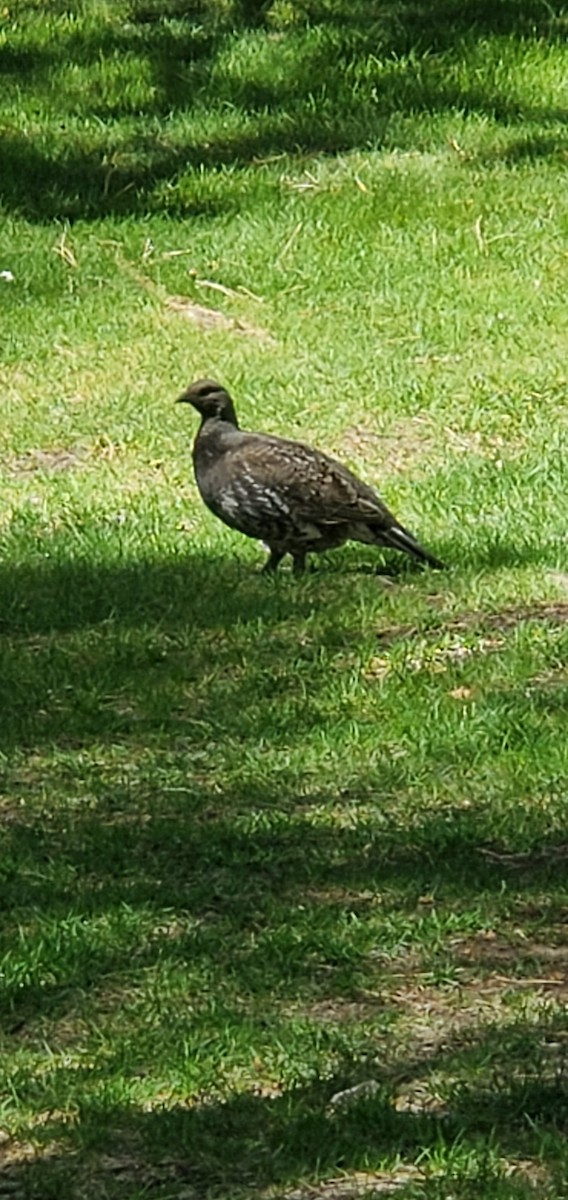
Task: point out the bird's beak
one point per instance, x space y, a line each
183 399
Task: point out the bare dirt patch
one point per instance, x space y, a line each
15 1153
488 949
353 1187
340 1012
48 461
527 858
407 444
18 1158
211 319
554 612
411 442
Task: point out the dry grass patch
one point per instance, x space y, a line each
47 461
361 1185
212 320
418 445
409 445
506 619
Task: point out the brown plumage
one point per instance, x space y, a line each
293 498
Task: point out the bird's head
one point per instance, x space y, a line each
210 400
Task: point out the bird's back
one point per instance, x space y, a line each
247 478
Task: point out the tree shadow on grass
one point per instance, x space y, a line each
197 646
260 918
121 170
247 886
190 671
56 590
407 22
260 889
250 1142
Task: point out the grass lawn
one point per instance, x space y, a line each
283 906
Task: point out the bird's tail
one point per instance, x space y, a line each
400 539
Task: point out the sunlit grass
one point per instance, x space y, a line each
267 839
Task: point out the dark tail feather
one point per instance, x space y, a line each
400 539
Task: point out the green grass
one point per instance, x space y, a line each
264 840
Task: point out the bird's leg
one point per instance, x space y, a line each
272 561
299 564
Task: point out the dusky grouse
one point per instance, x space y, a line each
290 496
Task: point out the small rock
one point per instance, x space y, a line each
361 1091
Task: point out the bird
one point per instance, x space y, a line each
295 499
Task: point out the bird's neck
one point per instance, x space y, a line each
227 419
215 437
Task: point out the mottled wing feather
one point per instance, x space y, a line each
311 484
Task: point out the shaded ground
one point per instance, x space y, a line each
248 893
328 78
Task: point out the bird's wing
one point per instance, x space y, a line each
311 484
